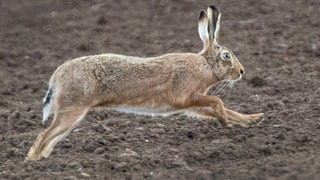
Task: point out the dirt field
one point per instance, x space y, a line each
277 41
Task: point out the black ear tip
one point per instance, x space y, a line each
202 13
213 7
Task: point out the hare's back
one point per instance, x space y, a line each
112 70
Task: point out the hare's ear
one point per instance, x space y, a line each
214 16
203 29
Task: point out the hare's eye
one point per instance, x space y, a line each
226 56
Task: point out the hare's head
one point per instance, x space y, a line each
225 64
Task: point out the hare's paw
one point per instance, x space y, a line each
33 156
249 119
255 118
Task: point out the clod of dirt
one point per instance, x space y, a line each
121 165
100 150
240 138
302 138
265 150
85 174
4 103
257 81
280 136
128 152
85 47
102 21
279 104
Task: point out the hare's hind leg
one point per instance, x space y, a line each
243 119
62 124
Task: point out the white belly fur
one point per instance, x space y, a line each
151 111
163 111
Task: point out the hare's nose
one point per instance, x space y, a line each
241 71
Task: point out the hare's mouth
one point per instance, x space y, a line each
238 78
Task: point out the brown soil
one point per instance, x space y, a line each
277 41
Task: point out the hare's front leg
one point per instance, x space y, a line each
232 116
210 106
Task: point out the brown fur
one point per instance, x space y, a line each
175 81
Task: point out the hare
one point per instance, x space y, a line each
163 85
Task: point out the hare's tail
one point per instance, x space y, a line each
47 104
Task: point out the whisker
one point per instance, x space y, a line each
224 85
231 83
220 89
220 84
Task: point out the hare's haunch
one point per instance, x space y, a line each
164 85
